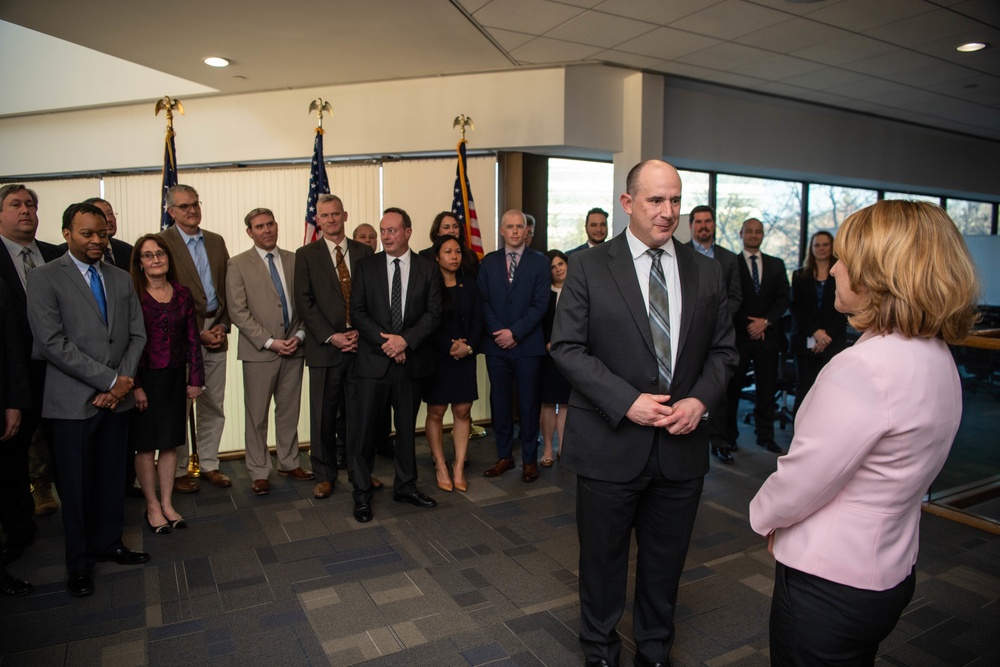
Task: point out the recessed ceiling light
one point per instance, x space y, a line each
214 61
970 47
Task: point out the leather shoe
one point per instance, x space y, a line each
298 473
341 461
124 556
642 662
260 487
11 586
499 468
362 512
185 485
217 478
723 455
734 447
415 498
597 663
80 584
323 490
771 446
529 472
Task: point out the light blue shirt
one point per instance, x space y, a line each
196 246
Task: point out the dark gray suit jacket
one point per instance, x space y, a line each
84 354
731 274
602 343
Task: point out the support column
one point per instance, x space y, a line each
642 132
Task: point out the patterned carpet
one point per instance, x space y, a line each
486 578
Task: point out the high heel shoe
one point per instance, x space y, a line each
156 530
445 485
177 523
462 485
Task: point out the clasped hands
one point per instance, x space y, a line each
285 347
460 349
679 419
213 337
505 339
394 347
346 341
111 398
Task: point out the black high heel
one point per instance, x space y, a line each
156 530
177 523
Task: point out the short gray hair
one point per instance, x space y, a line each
180 187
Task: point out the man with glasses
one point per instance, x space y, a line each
201 257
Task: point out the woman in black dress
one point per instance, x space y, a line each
171 370
818 330
454 380
554 390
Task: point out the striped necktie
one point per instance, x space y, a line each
659 317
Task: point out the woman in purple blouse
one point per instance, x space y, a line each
170 362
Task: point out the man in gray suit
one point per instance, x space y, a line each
702 224
259 292
644 336
88 326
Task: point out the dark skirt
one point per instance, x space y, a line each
161 425
554 387
452 382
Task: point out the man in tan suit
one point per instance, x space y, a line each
260 297
201 258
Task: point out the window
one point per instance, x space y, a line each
777 204
694 189
830 205
575 187
972 217
907 195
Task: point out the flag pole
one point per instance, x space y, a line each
318 183
169 175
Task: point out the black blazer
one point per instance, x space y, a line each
318 299
14 391
371 317
730 273
602 343
808 315
771 303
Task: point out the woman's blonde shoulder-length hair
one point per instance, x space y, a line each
909 263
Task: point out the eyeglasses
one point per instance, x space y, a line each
150 256
188 207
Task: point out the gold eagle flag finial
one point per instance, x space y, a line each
170 105
319 106
463 121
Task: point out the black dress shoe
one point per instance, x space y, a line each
11 586
80 584
642 662
341 461
771 446
723 455
597 663
124 556
734 447
415 498
362 512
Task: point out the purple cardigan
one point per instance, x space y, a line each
172 338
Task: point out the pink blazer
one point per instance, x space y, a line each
871 436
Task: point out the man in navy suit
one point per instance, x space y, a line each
759 337
87 323
514 284
395 306
21 254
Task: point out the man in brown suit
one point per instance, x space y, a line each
259 293
201 258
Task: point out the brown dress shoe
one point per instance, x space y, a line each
529 472
298 473
216 478
323 490
499 468
185 485
260 487
45 503
376 482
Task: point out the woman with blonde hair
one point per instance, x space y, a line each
842 512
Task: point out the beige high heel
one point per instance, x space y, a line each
460 483
445 485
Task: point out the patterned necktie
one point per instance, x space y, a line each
512 267
755 274
98 289
659 317
108 256
28 259
281 290
396 299
345 283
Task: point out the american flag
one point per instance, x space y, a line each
169 177
463 207
318 185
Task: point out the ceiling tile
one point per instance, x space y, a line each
825 79
868 88
861 15
654 11
730 19
987 11
628 59
599 29
926 27
545 50
795 8
667 43
583 3
509 40
777 68
792 35
844 50
473 6
531 16
930 76
725 56
889 63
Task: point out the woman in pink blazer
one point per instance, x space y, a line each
842 511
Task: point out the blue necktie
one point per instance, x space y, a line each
98 289
659 317
755 274
281 290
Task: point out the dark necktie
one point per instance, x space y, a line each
98 289
659 317
512 267
396 299
345 283
281 290
755 274
108 256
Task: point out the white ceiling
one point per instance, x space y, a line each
892 58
